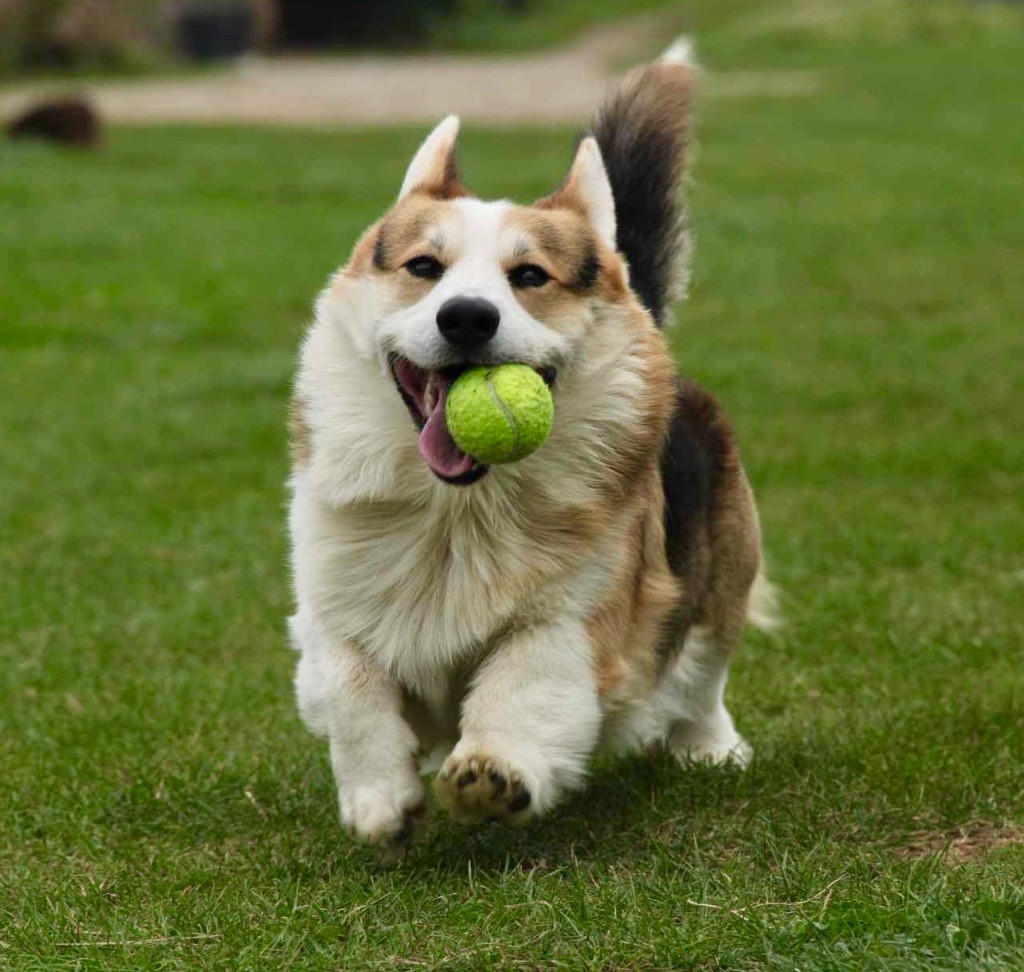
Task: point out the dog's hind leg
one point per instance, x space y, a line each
714 547
700 727
692 690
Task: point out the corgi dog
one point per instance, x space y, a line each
500 625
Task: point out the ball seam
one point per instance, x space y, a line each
504 409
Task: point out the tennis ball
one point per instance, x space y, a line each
499 414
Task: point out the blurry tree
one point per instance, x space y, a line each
117 34
80 33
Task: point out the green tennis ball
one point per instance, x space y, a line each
499 414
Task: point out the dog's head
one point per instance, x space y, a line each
447 280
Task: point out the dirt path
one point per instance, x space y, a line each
557 86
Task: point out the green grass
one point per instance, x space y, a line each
857 304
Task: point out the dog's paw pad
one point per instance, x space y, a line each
476 789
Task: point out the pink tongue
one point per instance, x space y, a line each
437 446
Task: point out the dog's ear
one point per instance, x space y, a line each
586 190
434 168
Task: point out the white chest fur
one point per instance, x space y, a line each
422 586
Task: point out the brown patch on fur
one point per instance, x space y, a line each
968 842
559 240
411 228
717 553
736 559
361 260
626 629
644 619
300 436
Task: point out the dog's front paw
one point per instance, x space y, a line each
479 788
385 816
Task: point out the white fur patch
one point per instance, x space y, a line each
681 51
688 707
431 155
590 180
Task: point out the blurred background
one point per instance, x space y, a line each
126 34
181 178
301 62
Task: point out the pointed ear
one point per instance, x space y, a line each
434 168
587 190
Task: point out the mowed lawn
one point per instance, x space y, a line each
858 305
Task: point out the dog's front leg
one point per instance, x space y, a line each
346 697
529 723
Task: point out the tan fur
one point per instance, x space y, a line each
410 228
656 400
736 555
361 260
659 93
559 240
300 436
627 628
413 227
728 549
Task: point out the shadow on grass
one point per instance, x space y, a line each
806 789
628 805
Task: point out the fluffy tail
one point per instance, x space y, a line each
642 130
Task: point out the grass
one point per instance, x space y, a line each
857 304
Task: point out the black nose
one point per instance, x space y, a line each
468 321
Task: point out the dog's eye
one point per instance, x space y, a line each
528 275
426 267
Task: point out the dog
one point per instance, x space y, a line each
500 625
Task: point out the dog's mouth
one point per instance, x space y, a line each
425 393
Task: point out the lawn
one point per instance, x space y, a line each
857 304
